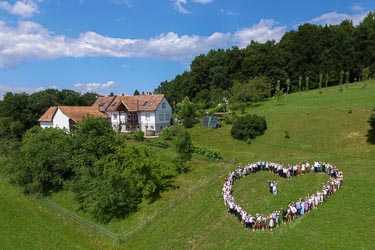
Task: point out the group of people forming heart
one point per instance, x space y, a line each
293 210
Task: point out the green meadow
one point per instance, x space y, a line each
331 127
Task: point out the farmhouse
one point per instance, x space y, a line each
124 113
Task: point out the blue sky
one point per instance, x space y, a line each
122 45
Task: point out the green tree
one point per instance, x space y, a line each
372 121
184 146
186 111
326 80
287 85
43 160
347 77
299 84
307 83
254 89
121 180
278 92
136 92
320 82
248 127
365 73
341 80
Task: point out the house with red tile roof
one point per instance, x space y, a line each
124 113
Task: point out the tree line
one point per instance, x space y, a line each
310 57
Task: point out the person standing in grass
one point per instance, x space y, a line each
274 188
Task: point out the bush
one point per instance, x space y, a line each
166 134
209 153
248 127
139 135
372 121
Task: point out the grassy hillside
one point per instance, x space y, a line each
27 223
331 126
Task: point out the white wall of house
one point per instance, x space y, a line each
60 120
163 115
146 120
115 119
46 124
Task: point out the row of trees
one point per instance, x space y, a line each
322 54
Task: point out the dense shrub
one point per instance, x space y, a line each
139 135
372 121
248 127
209 153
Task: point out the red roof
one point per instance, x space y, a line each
48 115
136 103
77 113
103 102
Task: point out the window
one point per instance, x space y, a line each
161 117
167 117
163 105
147 117
115 117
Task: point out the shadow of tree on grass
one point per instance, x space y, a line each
371 136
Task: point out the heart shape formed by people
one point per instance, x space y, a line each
295 209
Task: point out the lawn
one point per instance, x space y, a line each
27 223
330 127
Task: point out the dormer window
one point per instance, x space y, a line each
163 105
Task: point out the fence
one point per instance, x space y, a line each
82 221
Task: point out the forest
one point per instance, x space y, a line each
306 58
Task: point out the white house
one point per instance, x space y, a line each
125 113
66 117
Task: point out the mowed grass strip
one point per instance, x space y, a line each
27 223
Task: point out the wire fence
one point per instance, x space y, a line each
82 221
167 207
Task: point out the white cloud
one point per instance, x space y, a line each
8 88
228 12
93 86
180 4
31 41
128 3
266 29
333 18
23 8
357 8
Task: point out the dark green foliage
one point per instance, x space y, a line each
166 134
248 127
139 135
307 83
183 145
111 178
255 89
120 181
186 112
341 80
24 109
42 161
308 51
372 121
